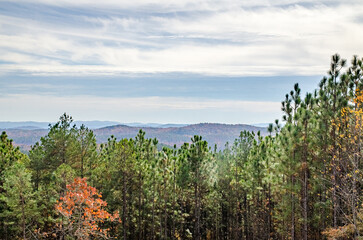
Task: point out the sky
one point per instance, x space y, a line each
164 61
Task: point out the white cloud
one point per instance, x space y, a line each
230 37
180 5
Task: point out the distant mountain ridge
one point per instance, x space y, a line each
265 125
154 125
90 124
213 133
45 125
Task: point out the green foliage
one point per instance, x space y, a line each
9 156
302 180
21 208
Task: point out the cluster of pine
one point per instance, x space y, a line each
302 181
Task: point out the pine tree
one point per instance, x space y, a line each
21 208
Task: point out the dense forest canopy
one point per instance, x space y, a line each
301 181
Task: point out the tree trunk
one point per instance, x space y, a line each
292 209
305 187
153 214
23 215
139 207
197 209
245 213
293 204
124 207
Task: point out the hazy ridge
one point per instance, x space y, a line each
213 133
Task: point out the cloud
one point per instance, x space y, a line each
45 46
180 5
252 38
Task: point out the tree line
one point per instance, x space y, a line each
301 181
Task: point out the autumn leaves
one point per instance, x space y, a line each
83 212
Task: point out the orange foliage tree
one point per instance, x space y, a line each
83 212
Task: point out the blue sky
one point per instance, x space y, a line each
167 61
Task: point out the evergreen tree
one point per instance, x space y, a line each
21 208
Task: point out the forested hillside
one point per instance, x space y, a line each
214 133
300 181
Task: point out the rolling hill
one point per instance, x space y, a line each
213 133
